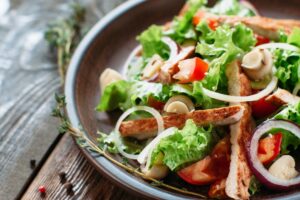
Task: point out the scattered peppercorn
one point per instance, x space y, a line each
42 189
62 176
32 163
69 187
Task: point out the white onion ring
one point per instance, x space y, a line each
150 110
261 172
147 151
236 99
283 46
174 50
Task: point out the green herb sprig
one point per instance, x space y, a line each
64 35
83 140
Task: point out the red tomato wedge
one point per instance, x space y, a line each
199 16
261 40
262 108
269 148
213 167
193 69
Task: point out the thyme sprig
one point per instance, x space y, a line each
64 35
83 140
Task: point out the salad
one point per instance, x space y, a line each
212 98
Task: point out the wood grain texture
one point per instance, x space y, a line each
87 182
28 80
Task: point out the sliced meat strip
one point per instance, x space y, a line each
145 128
264 26
281 97
238 180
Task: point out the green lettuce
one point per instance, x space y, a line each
221 47
184 147
290 113
289 141
114 94
294 37
129 145
255 186
288 71
182 27
231 7
151 41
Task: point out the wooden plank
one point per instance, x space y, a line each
87 182
28 80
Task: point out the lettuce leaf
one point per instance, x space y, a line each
114 94
290 113
221 47
294 37
182 28
152 44
125 94
184 147
288 71
289 141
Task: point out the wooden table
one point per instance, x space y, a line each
32 153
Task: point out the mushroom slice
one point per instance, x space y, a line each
179 104
109 76
257 64
284 168
156 171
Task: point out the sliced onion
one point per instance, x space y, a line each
283 46
257 167
147 151
174 50
236 99
117 138
250 6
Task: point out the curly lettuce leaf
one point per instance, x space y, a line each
182 27
114 94
289 141
151 41
221 47
184 147
129 145
288 71
290 113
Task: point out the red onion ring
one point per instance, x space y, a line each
262 174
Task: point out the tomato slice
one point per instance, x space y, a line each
262 108
269 148
193 69
199 16
261 40
198 173
208 170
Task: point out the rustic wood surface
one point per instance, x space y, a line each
28 80
87 183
